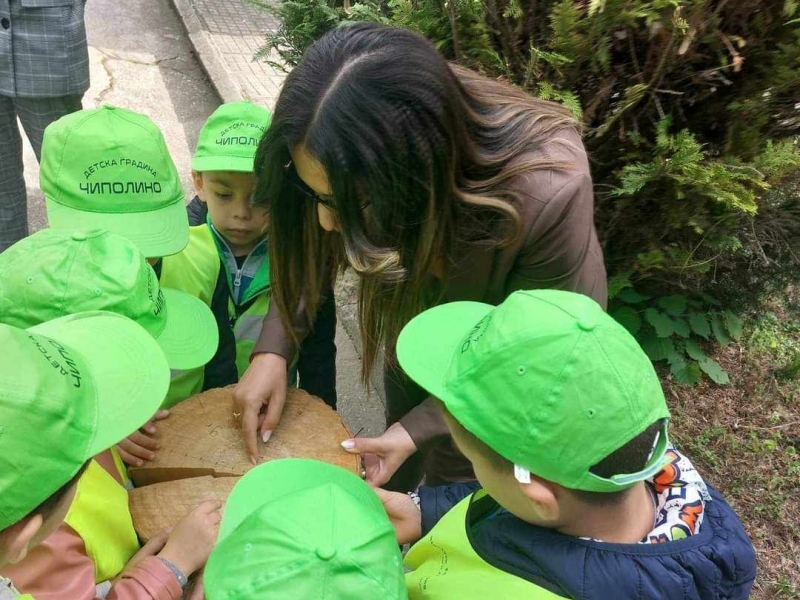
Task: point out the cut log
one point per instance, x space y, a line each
161 505
201 437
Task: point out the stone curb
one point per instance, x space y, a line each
206 53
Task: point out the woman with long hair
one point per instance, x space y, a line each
434 184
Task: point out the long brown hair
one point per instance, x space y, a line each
430 149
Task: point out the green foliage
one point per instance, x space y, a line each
691 120
675 328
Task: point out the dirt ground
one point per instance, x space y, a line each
745 439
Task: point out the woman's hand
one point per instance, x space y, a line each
263 384
141 445
382 456
404 515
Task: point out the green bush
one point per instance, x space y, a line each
692 114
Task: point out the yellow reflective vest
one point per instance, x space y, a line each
444 566
100 515
196 271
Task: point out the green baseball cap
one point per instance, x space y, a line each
547 379
75 387
297 528
230 136
54 273
109 168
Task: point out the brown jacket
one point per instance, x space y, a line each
557 249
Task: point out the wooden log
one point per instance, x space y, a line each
161 505
201 437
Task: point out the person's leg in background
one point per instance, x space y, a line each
35 114
316 364
13 195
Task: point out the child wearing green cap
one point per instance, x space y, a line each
62 388
109 168
564 420
68 273
227 250
305 530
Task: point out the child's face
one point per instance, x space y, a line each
228 196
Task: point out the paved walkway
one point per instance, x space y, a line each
226 34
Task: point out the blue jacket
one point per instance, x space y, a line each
718 563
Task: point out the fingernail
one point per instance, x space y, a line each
348 444
253 460
151 456
139 463
266 435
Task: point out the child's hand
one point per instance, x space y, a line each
193 538
404 515
142 445
263 384
151 548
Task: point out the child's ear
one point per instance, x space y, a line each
197 178
542 493
18 538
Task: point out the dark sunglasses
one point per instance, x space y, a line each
302 187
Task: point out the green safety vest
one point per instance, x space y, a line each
195 270
444 565
100 515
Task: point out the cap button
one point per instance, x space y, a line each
79 236
586 325
326 552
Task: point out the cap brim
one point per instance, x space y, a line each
130 373
278 478
241 164
190 336
156 233
428 343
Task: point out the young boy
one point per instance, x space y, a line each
227 250
304 530
59 406
563 418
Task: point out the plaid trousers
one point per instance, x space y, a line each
35 114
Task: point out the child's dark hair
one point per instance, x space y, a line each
630 458
48 507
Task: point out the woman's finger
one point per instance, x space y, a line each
273 414
365 446
249 429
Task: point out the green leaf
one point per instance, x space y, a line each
631 296
699 324
673 305
660 322
628 318
714 370
694 350
684 372
681 327
720 332
617 283
658 348
733 325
